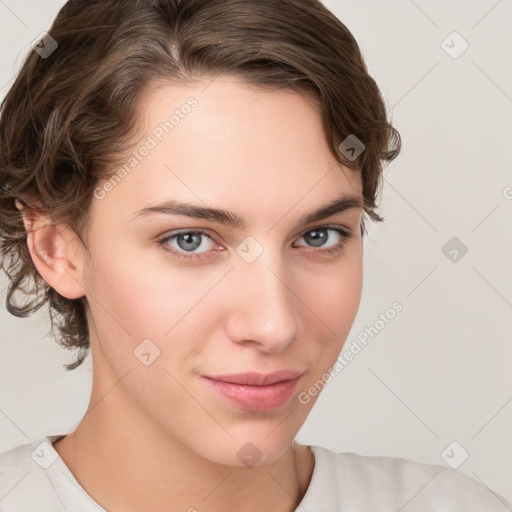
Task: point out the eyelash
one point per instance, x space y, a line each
162 243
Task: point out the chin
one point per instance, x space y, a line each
243 451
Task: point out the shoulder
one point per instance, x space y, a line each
388 483
24 484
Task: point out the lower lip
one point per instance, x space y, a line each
255 398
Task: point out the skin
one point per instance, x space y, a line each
157 437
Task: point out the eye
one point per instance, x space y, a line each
187 242
318 236
184 244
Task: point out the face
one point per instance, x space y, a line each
176 299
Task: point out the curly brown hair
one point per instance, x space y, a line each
69 115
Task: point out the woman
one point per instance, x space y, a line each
187 183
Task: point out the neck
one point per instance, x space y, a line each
126 462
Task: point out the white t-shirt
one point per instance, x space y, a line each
33 477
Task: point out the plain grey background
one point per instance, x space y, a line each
434 383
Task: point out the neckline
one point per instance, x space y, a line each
71 493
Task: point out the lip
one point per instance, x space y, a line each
257 379
255 391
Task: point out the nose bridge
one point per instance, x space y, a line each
264 304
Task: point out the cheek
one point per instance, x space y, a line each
144 295
335 299
136 300
336 293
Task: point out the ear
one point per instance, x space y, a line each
56 250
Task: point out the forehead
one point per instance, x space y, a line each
225 143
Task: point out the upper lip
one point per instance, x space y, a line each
257 379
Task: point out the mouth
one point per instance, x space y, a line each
255 391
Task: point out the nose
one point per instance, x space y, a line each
263 305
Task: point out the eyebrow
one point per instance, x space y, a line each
174 207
